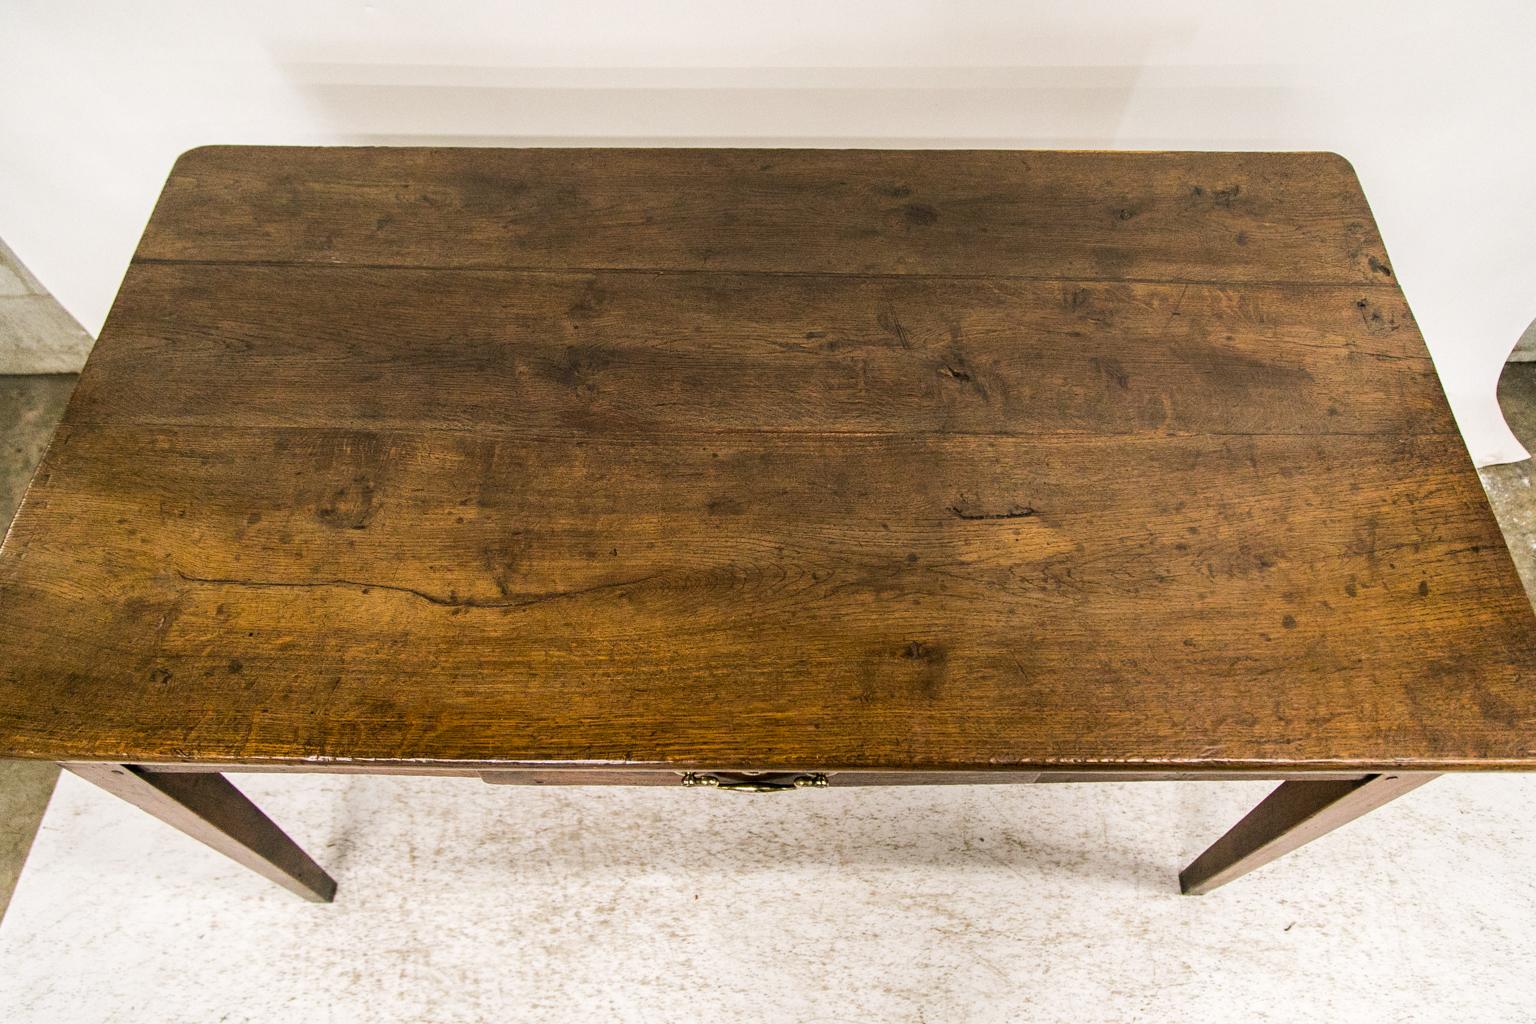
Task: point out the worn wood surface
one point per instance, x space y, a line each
990 214
781 460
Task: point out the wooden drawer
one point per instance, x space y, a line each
786 780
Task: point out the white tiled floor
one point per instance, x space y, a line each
466 902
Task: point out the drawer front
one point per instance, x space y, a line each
787 780
743 779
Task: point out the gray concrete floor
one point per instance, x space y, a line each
30 408
37 335
1509 486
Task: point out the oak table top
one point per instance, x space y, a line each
759 459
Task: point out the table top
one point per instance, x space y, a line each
762 459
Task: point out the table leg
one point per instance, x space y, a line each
207 807
1294 814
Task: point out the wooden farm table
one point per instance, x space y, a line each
762 468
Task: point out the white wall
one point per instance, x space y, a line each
1433 102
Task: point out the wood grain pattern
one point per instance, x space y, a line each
673 459
1109 216
625 355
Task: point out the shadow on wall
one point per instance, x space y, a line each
744 106
355 97
1067 107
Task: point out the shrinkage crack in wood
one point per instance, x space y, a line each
776 460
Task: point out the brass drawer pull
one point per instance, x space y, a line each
767 784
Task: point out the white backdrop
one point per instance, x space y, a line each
1435 104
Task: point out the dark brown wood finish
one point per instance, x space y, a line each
873 602
1081 464
1227 217
207 807
1294 814
641 777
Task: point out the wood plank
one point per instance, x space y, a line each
1110 216
631 355
794 602
809 461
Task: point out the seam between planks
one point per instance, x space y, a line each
723 271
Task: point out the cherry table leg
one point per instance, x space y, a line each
1294 814
207 807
